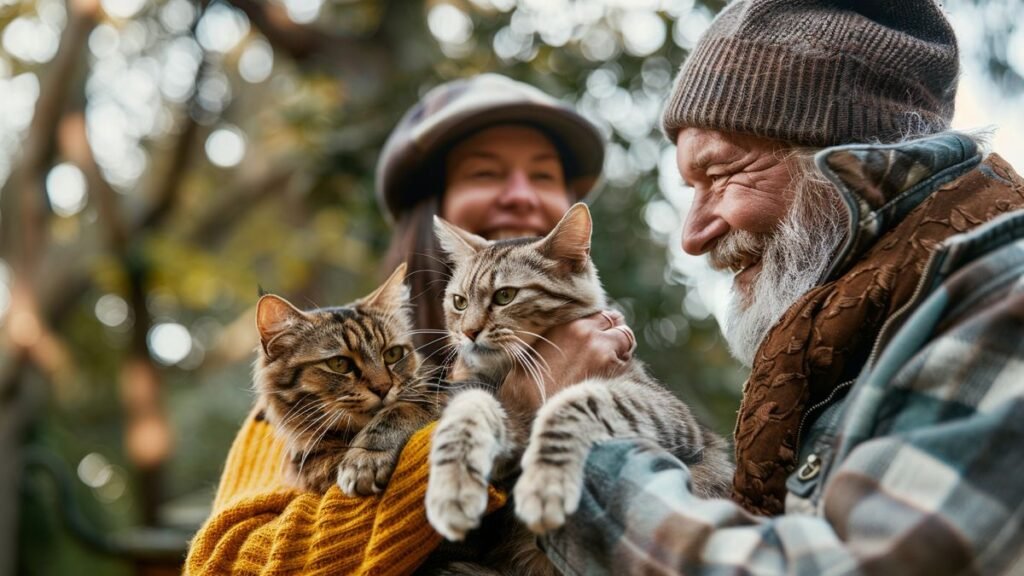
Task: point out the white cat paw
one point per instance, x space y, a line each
365 472
456 500
546 494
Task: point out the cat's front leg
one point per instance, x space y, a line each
469 438
566 428
369 462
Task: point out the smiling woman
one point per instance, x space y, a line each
496 157
505 182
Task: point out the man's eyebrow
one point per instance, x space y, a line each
703 159
545 156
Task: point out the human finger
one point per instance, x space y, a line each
625 342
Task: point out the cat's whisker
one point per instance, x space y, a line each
419 294
314 423
435 258
306 410
527 365
535 356
305 413
418 348
539 366
452 346
302 408
326 426
539 337
425 271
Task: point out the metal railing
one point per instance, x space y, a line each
160 546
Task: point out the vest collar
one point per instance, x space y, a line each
879 184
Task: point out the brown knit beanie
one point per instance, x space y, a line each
820 72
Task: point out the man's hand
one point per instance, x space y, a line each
598 345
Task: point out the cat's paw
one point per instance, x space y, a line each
365 472
547 493
456 500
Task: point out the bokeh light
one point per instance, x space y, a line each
256 62
449 24
177 15
221 28
169 343
94 470
104 41
181 58
30 39
66 189
225 147
303 11
643 32
122 8
111 310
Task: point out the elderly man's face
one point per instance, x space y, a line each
742 184
761 213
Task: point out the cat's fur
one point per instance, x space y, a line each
342 428
479 439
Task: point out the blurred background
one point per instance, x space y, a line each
161 159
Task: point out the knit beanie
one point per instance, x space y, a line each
820 72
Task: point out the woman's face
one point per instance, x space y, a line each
505 182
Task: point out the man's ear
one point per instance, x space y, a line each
392 294
455 241
274 317
569 242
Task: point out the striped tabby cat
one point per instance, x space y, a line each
340 386
501 296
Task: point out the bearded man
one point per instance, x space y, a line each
878 263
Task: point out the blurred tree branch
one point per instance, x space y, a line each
34 343
355 59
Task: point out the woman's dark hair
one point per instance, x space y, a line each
414 243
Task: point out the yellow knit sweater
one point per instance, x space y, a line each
260 525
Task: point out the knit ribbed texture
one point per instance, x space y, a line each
260 525
820 72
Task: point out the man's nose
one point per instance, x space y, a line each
703 227
519 191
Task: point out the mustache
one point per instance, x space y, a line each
737 249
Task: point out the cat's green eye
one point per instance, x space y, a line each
459 302
504 295
393 354
340 364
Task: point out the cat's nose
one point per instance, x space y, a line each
472 333
381 389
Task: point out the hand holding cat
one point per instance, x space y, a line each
598 345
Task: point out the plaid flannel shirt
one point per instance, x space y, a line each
920 470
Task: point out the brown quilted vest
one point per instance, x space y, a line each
904 202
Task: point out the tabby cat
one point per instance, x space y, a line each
341 387
501 297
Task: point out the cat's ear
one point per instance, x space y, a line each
392 294
570 240
274 317
455 241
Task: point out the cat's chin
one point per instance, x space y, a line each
485 360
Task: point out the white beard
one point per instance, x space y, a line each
792 262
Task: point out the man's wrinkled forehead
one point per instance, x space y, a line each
697 149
